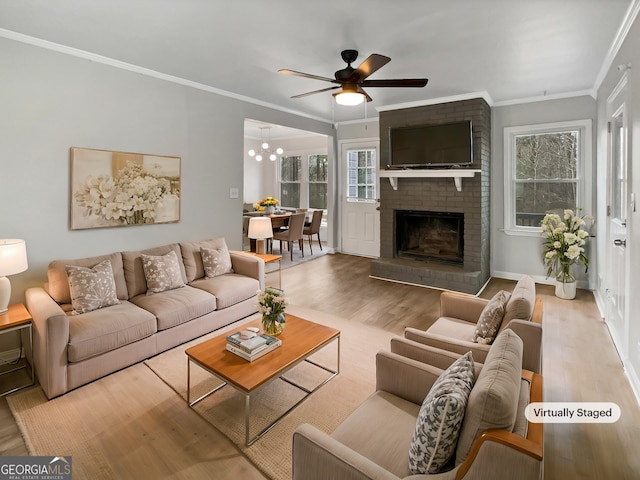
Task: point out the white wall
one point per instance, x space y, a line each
52 101
513 256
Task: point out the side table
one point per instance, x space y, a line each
270 266
17 319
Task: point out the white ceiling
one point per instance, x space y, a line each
510 49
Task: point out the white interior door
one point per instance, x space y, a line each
617 264
360 223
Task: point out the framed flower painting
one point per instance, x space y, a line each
113 189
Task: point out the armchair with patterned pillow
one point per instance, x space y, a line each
469 323
441 417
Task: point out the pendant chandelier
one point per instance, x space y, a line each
266 150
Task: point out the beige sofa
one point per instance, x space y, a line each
71 349
459 314
495 439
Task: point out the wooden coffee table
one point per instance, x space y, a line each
300 339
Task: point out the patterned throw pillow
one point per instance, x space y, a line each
440 418
161 272
216 261
91 288
491 319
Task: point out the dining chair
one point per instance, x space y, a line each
292 234
314 228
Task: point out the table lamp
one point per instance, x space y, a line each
13 259
260 229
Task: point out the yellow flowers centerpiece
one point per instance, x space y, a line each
271 304
267 205
564 243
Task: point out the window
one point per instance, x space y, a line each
290 169
361 175
544 171
318 181
304 191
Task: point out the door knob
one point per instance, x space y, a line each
620 243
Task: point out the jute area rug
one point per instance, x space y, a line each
136 424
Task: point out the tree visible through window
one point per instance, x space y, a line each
318 181
546 174
290 169
361 175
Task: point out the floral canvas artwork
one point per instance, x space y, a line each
111 189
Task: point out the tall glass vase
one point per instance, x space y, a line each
566 285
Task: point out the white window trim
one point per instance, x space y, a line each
304 181
376 183
583 173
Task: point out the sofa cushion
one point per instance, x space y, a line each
493 402
216 261
162 272
491 318
228 289
91 288
134 272
453 328
192 258
107 329
521 302
178 306
384 444
438 424
58 282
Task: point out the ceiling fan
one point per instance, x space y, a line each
352 80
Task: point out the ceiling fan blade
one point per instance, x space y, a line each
366 95
315 91
306 75
373 63
404 82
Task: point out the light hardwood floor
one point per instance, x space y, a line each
580 362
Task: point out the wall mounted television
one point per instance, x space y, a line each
431 146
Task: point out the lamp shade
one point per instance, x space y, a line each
13 256
260 228
13 259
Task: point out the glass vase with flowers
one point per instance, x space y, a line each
271 305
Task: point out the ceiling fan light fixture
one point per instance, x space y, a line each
349 98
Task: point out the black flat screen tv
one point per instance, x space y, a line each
431 146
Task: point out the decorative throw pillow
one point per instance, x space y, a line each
440 418
91 288
161 272
216 261
491 319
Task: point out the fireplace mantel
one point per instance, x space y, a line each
456 173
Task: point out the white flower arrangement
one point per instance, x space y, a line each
565 239
131 198
271 302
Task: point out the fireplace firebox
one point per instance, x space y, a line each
430 236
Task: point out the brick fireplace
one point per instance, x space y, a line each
448 236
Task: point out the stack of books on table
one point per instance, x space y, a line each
252 348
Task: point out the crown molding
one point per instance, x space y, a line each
621 35
93 57
434 101
544 98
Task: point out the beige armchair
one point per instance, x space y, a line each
495 440
459 314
